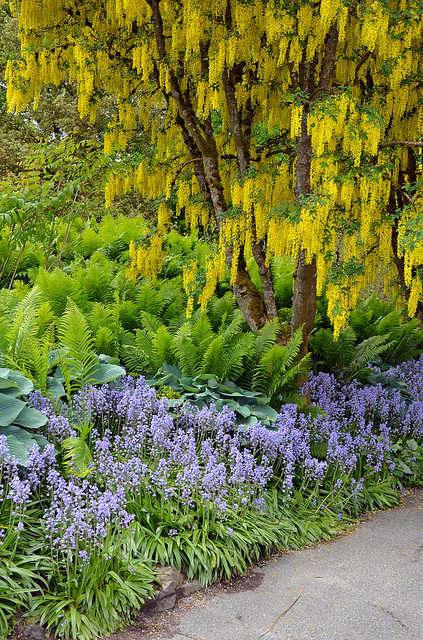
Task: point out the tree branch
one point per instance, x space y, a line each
403 143
187 114
362 61
328 61
235 122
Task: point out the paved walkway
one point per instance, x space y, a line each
366 585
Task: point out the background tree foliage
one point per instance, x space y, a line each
289 127
52 170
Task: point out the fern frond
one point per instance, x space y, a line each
77 456
143 342
201 330
149 322
77 359
56 287
23 322
261 344
232 361
139 357
272 371
161 346
135 361
45 317
293 347
149 299
105 342
366 352
213 357
221 311
101 316
187 354
330 355
233 328
40 357
407 342
177 321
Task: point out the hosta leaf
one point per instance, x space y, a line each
170 368
10 408
244 410
5 384
266 412
31 418
24 383
103 373
190 389
55 387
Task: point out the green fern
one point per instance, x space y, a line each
101 316
77 458
365 353
406 338
45 317
173 299
149 299
148 352
263 341
104 324
202 332
276 369
213 357
231 363
178 320
227 351
105 341
40 357
4 340
23 324
77 358
187 354
150 322
93 281
221 311
161 347
129 315
330 355
56 287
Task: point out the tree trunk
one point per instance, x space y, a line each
305 277
304 300
247 295
266 279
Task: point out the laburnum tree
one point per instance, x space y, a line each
290 127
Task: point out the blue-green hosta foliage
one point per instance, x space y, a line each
203 390
251 359
19 422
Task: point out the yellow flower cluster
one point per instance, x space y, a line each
296 115
146 260
189 275
385 237
212 272
340 303
164 215
415 296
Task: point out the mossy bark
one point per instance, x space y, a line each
248 297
